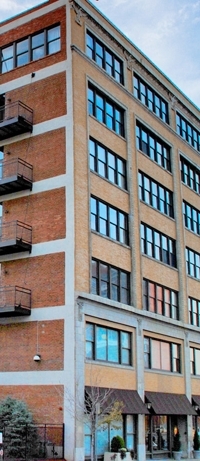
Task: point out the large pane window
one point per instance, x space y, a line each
104 57
155 195
190 175
109 221
53 40
22 52
161 355
159 299
7 59
107 344
158 245
188 132
105 110
195 361
152 146
194 311
150 98
193 263
191 218
110 282
31 48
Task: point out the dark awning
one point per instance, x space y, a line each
169 404
132 403
196 400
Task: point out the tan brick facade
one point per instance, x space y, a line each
58 268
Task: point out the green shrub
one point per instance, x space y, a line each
117 442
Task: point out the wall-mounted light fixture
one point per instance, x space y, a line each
175 430
196 407
149 405
37 358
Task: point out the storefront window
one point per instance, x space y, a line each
156 433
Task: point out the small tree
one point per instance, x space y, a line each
101 408
196 441
20 435
177 441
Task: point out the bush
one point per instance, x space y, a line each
20 435
196 441
117 442
177 442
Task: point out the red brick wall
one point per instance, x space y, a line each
45 402
49 335
45 152
43 275
46 97
31 27
45 212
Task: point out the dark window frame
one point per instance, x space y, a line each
105 286
190 175
164 203
120 346
151 99
193 263
193 361
153 146
175 362
30 48
163 299
99 53
187 131
158 245
194 311
102 167
106 111
191 217
111 226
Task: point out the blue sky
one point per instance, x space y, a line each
167 31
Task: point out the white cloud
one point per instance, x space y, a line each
167 31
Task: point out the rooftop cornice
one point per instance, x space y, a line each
139 61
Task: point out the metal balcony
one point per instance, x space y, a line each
15 237
15 118
14 301
15 175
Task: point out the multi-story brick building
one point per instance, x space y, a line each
99 246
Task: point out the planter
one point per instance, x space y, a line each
177 454
197 454
110 456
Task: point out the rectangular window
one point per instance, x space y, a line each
194 311
22 52
153 147
160 300
194 361
31 48
191 218
110 282
188 132
105 110
193 263
108 345
156 195
158 245
150 98
109 221
104 57
107 164
161 355
190 175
